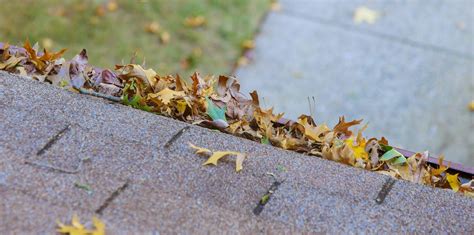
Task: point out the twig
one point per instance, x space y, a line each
100 95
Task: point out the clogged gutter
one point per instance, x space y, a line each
216 102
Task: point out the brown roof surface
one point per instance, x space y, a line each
168 189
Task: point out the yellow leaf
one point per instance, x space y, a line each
112 6
147 77
442 168
313 132
181 106
165 37
47 43
453 181
363 14
200 150
11 62
76 228
218 155
239 161
99 226
275 6
358 148
166 95
248 44
471 106
243 61
76 222
195 21
152 27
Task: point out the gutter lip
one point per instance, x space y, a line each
465 172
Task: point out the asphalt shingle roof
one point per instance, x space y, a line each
168 189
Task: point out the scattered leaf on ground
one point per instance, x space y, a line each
275 5
165 37
152 27
364 14
195 21
248 44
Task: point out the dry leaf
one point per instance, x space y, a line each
358 147
214 157
112 5
343 127
165 37
76 228
453 181
311 131
248 44
275 5
195 21
166 95
218 155
47 43
200 150
152 27
364 14
172 96
242 61
441 168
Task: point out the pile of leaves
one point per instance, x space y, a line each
216 102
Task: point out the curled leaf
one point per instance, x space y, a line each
214 157
343 127
453 181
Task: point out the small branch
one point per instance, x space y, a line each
100 95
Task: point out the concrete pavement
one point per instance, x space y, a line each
409 75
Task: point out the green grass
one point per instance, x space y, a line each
116 36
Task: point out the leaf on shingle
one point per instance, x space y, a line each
76 228
215 156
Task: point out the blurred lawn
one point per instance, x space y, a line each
113 35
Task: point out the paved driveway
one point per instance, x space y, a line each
409 74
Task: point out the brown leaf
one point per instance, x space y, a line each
372 147
195 21
343 127
311 131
